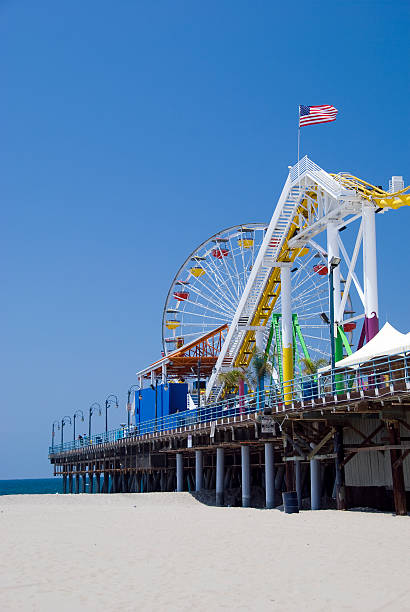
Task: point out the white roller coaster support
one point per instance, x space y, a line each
370 271
333 251
303 175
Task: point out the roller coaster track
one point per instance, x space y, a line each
306 186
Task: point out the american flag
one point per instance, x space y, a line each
309 115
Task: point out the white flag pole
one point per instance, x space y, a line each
299 135
298 145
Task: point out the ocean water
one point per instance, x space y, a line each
29 486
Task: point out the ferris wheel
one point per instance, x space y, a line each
207 288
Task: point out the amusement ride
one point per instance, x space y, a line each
266 287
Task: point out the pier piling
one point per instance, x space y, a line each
199 471
220 465
269 476
246 477
180 472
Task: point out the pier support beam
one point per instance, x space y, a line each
315 484
269 476
399 490
70 481
105 482
90 479
246 477
340 471
84 481
180 472
220 475
199 471
64 483
97 482
298 469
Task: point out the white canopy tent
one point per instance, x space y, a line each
388 341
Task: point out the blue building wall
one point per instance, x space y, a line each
174 399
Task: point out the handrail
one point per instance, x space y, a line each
378 377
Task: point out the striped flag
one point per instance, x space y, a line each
309 115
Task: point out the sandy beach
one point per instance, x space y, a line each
166 551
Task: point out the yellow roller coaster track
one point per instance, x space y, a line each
379 197
272 290
375 195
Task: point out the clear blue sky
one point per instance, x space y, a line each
129 133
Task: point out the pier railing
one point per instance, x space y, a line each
370 381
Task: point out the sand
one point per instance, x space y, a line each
167 551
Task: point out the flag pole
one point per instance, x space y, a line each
298 144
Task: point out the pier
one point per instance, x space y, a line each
345 447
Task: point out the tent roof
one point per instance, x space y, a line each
388 341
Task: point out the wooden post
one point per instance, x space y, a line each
399 491
340 470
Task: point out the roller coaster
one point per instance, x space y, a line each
265 287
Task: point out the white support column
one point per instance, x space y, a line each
141 381
199 472
152 377
180 472
220 476
164 373
333 251
370 271
260 345
246 476
287 333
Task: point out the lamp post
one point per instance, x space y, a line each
156 400
334 262
75 415
108 402
53 433
130 390
63 423
199 384
91 411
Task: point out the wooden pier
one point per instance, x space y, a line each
356 444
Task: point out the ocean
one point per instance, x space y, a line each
30 486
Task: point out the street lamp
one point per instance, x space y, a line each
53 432
156 400
111 399
333 263
199 384
75 415
130 390
63 423
91 411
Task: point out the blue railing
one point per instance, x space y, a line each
378 377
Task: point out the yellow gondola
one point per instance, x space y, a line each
197 271
172 324
245 243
